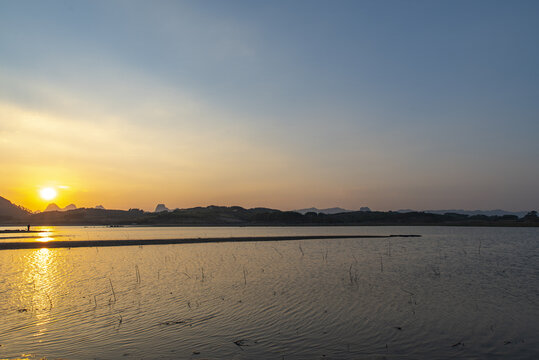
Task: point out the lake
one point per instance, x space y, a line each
452 293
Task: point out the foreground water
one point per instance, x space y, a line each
453 293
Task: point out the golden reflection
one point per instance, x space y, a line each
40 270
45 235
45 239
42 259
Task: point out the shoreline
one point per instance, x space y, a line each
364 224
107 243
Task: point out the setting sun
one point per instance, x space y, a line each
47 193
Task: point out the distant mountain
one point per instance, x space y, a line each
8 210
497 212
238 216
54 207
328 211
161 207
100 207
70 207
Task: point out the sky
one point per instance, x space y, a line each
281 104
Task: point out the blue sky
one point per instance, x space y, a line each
387 104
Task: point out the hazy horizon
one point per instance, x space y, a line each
287 105
62 207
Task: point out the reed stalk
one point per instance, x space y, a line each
112 288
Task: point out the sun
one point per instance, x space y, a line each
47 193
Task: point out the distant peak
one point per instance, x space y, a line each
160 208
54 207
328 211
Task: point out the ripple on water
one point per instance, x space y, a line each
437 296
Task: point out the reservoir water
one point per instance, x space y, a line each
451 293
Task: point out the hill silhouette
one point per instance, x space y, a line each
11 214
497 212
10 211
334 210
329 211
161 207
54 207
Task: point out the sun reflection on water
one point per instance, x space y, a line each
45 235
40 270
42 259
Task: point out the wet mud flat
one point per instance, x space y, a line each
105 243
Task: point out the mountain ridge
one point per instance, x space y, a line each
9 210
496 212
54 207
11 214
328 211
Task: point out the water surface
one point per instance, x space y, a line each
454 292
